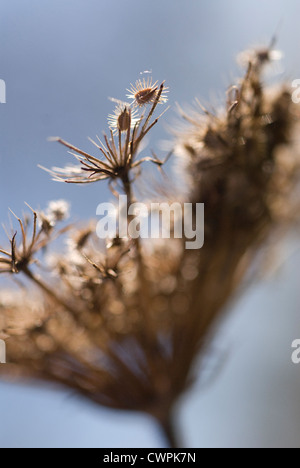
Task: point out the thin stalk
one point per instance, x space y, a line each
169 431
47 290
128 192
144 296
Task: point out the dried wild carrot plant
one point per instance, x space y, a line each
123 324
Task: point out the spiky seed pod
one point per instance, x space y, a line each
145 92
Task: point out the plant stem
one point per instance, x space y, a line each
145 300
47 290
169 431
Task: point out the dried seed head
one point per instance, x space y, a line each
58 210
266 55
144 92
259 56
123 118
45 223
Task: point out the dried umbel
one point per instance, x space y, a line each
120 157
124 324
20 256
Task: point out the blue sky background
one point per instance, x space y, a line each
60 60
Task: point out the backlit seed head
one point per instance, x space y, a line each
58 210
259 56
145 92
123 118
45 223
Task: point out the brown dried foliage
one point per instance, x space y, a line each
125 325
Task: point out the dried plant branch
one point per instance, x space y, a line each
123 325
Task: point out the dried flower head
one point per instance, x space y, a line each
124 325
22 255
120 151
145 92
260 56
58 210
123 118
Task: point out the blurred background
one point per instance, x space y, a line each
60 60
